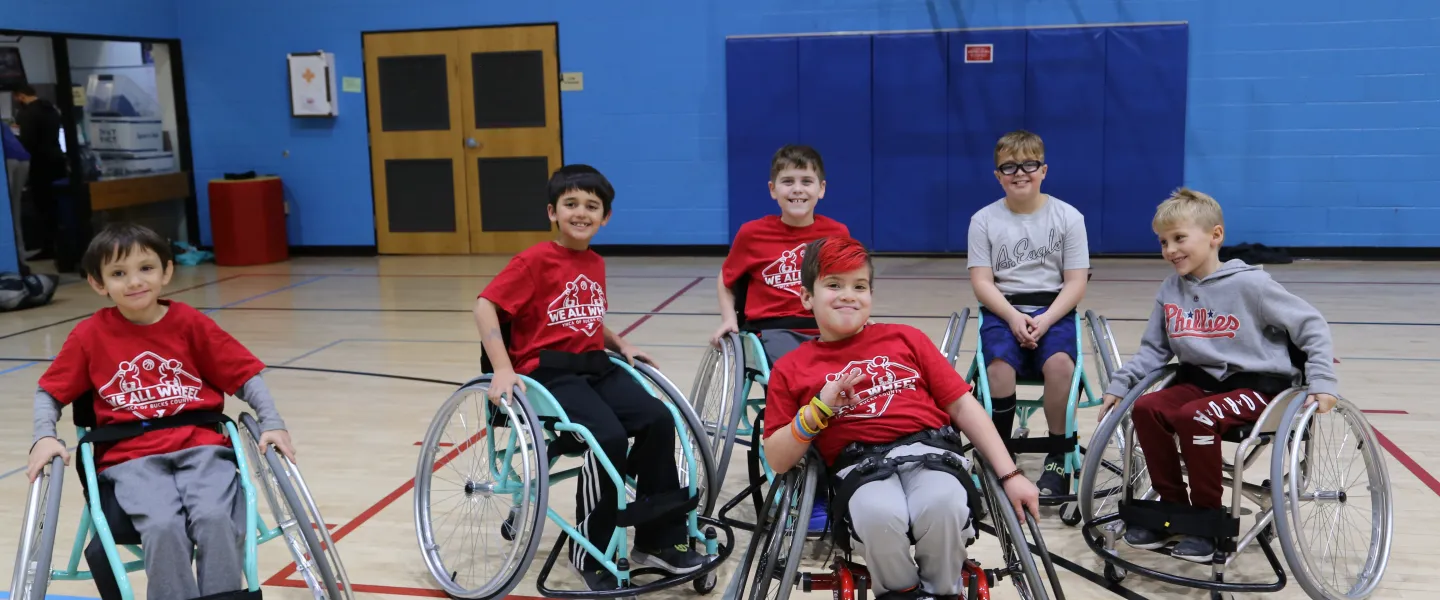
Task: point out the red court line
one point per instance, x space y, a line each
672 298
1379 411
1400 455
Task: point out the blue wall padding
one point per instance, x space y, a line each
908 128
835 119
985 102
762 114
1065 104
1144 130
909 165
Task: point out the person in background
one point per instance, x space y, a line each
40 124
17 169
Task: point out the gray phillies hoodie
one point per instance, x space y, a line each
1237 320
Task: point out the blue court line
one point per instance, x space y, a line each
259 296
19 367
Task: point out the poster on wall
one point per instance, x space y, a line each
312 85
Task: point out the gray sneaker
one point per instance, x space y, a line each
1145 539
1194 549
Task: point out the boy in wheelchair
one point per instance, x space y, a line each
862 394
762 269
157 372
552 296
1236 332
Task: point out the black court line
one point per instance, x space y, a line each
73 319
716 314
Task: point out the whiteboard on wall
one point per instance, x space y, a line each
312 85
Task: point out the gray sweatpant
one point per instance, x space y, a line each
185 504
928 506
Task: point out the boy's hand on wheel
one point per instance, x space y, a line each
1327 402
1023 495
281 439
1110 401
44 451
503 383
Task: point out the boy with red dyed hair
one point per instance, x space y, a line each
883 391
766 256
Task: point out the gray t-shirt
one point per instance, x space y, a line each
1029 252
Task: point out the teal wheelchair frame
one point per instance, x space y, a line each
317 559
535 421
979 379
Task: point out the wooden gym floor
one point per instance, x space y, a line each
363 351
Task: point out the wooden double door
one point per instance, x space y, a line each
464 134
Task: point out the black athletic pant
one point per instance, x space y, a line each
614 407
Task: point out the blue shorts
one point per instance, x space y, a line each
997 341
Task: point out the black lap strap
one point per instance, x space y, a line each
124 431
871 465
555 362
674 504
1269 384
1032 299
1042 445
1179 519
779 323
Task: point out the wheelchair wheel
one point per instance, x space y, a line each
1014 547
298 521
1115 472
1327 503
694 439
506 476
716 395
37 534
778 545
954 334
1102 340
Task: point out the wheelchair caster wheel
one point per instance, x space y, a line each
1114 574
1070 513
706 584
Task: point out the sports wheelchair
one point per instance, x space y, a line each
771 567
1114 491
722 388
107 526
528 425
978 378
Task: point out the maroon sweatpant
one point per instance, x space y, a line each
1198 419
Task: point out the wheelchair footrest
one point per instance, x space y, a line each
1042 445
1178 519
645 509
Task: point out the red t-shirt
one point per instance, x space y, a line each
908 388
770 253
554 299
183 362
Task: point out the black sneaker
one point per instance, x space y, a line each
1146 539
1194 549
1054 481
678 559
598 579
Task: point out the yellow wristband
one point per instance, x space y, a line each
820 423
820 404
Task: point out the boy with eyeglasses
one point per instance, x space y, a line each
1029 262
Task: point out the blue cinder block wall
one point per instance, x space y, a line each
148 18
1313 121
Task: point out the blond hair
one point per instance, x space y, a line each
1020 144
1188 206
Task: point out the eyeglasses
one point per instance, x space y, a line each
1029 166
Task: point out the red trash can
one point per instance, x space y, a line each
247 221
